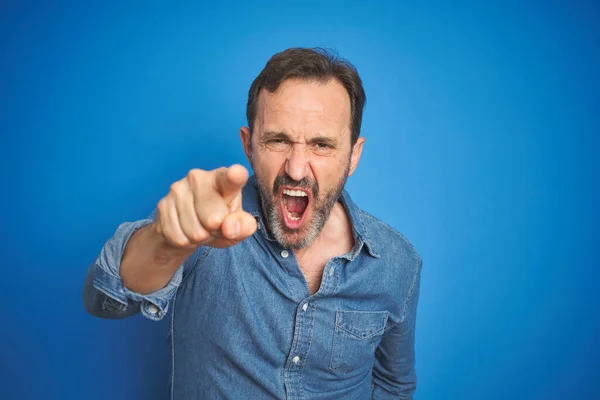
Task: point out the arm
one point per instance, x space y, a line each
106 291
142 265
394 374
149 262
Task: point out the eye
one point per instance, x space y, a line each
277 144
322 146
277 140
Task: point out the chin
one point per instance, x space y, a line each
298 238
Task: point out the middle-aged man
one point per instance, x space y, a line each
279 286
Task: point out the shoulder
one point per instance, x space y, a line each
399 263
388 242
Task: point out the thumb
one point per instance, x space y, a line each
238 225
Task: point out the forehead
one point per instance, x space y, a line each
301 107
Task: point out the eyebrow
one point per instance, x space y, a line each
270 135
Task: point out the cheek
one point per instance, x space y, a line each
268 165
327 171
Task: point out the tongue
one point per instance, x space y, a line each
295 204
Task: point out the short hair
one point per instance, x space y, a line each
312 64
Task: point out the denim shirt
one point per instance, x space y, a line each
245 326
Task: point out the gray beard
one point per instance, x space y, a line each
321 205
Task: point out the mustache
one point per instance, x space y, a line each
285 180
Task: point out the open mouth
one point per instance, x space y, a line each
294 204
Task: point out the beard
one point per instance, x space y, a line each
320 208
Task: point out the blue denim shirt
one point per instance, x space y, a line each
244 325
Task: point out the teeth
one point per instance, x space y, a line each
299 193
291 217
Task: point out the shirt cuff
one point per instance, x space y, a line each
107 278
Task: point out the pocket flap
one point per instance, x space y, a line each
362 324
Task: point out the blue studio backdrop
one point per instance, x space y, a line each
482 125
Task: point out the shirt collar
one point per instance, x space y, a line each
251 204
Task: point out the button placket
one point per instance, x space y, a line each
303 334
331 275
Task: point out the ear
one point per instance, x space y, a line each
246 141
356 152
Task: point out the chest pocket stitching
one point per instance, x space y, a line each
357 326
355 338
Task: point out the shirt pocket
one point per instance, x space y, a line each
357 335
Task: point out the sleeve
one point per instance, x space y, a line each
394 374
104 294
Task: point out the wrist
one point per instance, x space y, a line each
163 251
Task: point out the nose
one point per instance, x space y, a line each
296 165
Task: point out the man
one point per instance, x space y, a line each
278 285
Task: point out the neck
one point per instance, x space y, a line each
336 229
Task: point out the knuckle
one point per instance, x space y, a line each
180 188
161 206
196 176
161 211
213 222
175 188
197 236
179 241
220 173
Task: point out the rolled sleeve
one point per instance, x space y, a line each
107 279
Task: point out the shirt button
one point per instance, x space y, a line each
305 306
152 309
330 271
295 360
285 254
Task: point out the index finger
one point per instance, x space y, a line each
229 181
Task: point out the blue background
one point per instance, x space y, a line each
482 148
